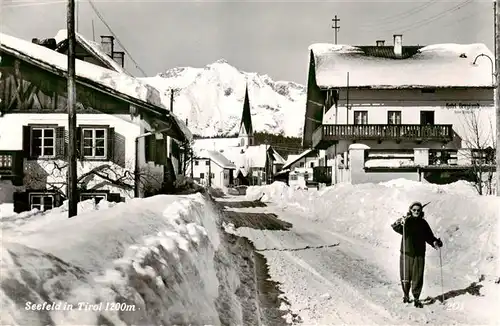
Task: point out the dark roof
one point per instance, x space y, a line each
246 117
388 51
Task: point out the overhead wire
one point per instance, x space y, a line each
431 19
94 8
396 18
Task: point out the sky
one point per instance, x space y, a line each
267 37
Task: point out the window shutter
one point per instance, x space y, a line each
27 141
114 198
21 202
160 157
60 143
79 148
111 144
150 147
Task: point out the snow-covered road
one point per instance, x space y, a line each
330 278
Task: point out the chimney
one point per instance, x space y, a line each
107 44
48 42
380 43
119 57
398 45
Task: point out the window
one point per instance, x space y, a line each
207 162
394 117
196 162
94 143
301 164
426 117
202 175
226 176
293 177
43 142
311 164
42 202
212 175
360 117
306 176
96 197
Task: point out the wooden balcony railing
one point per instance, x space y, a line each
333 133
11 166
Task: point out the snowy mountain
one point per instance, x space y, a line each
211 98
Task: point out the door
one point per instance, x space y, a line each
426 117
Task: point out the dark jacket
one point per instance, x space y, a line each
417 233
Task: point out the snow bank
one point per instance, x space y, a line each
148 261
466 222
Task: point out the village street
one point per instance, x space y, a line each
329 278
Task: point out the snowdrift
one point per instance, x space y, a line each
154 261
466 222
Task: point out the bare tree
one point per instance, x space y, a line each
481 145
51 175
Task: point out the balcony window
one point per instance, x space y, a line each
360 117
394 117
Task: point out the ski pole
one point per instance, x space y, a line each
405 286
441 266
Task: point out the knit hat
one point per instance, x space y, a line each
416 203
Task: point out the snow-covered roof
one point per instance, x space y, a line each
218 159
439 65
255 156
93 48
292 159
215 144
121 83
125 86
278 159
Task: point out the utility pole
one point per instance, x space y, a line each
72 175
172 100
497 92
93 31
335 27
209 172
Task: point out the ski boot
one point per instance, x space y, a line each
418 303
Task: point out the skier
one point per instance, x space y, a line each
416 232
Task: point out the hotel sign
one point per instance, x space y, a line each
461 107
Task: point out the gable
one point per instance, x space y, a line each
81 53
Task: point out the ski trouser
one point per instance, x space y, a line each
411 271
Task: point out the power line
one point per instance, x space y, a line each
115 36
393 19
432 18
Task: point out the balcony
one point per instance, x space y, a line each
327 135
11 166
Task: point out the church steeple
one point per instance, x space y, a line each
246 130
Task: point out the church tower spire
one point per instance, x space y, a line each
245 135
